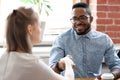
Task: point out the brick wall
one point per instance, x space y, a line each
107 17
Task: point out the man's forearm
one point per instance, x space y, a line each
116 73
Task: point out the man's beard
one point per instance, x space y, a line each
85 31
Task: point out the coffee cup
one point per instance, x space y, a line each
107 76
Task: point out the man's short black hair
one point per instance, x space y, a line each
82 5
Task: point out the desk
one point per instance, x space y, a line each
84 78
88 79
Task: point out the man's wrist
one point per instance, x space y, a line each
116 73
114 76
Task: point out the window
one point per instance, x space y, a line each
57 22
59 19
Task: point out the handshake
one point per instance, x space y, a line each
65 62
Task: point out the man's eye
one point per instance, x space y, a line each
82 18
75 18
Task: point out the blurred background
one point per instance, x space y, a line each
55 18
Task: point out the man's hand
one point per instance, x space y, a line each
61 63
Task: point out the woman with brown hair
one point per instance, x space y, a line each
18 63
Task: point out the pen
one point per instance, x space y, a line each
94 74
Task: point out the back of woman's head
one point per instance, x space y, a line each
16 30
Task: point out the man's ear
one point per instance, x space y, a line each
91 19
29 29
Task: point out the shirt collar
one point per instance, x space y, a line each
88 35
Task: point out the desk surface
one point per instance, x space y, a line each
88 79
84 78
